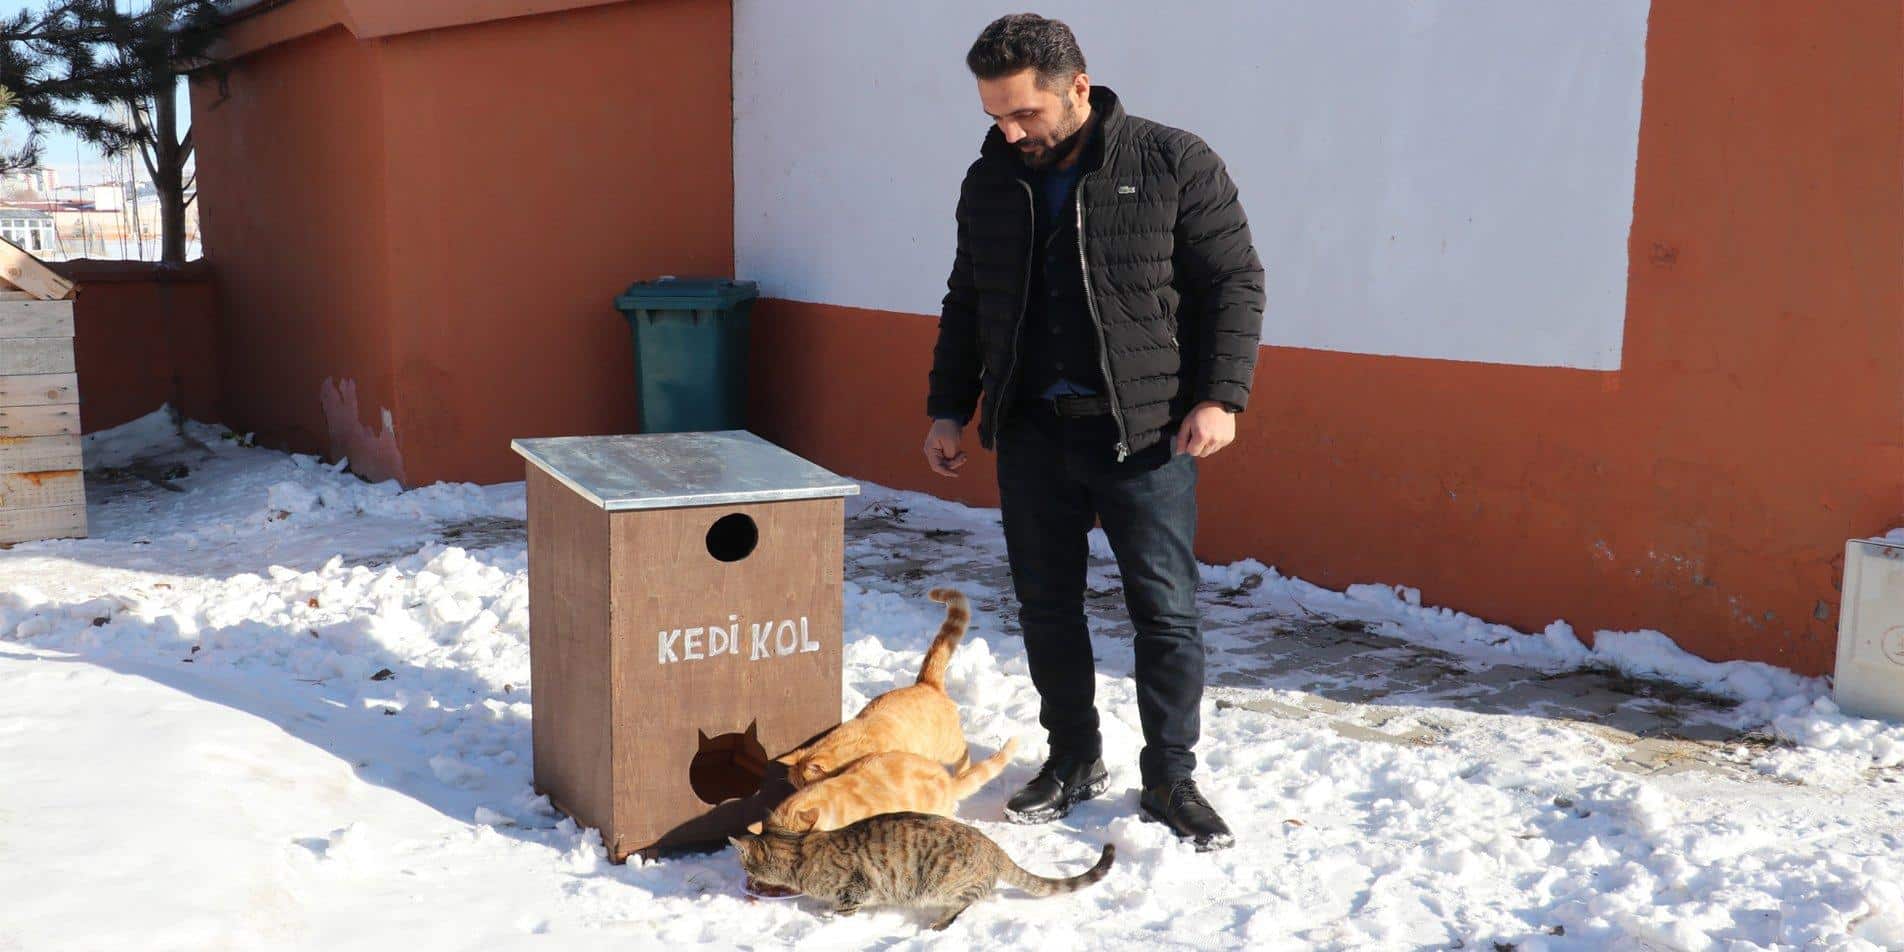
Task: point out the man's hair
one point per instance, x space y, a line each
1021 41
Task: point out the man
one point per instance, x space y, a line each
1106 302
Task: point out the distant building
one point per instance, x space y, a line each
30 228
66 229
40 181
110 197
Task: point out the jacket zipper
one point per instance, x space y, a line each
1002 401
1103 349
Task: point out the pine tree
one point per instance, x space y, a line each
111 78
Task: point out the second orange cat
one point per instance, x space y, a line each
890 782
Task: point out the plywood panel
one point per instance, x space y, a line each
59 419
29 525
33 454
774 665
568 650
35 319
36 355
32 389
41 490
21 270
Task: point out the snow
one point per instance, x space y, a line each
127 443
271 705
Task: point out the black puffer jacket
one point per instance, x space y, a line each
1172 278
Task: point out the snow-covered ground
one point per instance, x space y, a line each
270 706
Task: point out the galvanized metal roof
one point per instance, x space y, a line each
670 470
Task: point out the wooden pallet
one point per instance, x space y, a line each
42 478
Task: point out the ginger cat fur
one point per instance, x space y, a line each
890 782
918 718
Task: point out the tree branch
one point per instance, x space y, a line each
151 164
148 141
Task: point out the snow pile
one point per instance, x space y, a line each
157 433
1796 709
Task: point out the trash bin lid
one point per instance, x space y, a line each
686 294
672 470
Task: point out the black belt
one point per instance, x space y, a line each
1080 406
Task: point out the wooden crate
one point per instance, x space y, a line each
42 480
685 628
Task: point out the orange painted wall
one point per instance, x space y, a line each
294 202
1705 489
445 216
536 167
143 337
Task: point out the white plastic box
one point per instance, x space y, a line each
1870 672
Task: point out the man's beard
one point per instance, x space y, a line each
1043 158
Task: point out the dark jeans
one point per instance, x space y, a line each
1056 476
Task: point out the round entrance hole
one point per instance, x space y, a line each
728 766
732 537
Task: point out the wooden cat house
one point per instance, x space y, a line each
42 483
685 624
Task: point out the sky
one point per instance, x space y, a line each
61 151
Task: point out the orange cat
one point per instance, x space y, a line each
890 782
918 718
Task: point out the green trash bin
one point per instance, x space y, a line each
690 351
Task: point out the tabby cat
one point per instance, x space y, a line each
904 859
889 782
918 718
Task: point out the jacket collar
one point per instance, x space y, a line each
1106 109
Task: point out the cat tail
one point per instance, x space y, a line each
1041 886
967 780
958 614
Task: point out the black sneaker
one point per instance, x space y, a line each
1181 807
1061 784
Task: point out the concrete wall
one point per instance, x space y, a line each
1702 483
423 213
144 336
1428 178
295 212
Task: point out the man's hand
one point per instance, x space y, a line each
1208 428
942 447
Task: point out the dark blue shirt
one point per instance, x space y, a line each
1054 189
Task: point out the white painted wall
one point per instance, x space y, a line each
1429 178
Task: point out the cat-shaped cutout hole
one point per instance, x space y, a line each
728 766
